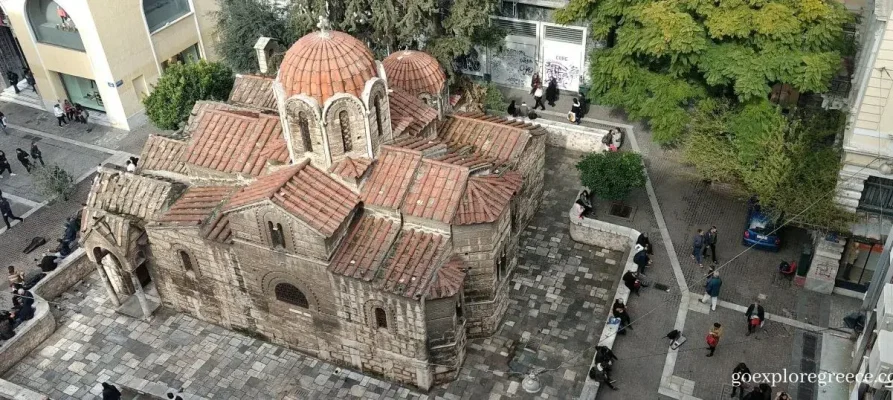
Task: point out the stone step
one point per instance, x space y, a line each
847 203
849 194
856 185
830 255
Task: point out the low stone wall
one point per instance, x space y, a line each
614 237
570 136
28 336
11 391
70 271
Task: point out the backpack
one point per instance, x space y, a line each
712 341
595 374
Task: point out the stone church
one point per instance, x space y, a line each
340 209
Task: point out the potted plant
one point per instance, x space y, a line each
611 176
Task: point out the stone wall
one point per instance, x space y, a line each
72 270
531 165
569 136
11 391
28 335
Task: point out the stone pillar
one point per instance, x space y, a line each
108 285
141 296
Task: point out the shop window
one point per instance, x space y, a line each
188 56
344 122
52 24
82 91
381 318
277 235
185 261
304 127
861 259
290 294
162 12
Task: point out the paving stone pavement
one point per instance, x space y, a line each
560 296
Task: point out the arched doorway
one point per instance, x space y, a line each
118 279
126 287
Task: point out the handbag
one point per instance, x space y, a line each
712 341
754 322
571 116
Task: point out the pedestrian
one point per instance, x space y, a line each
535 82
69 109
4 165
632 282
601 372
15 277
130 166
608 139
755 317
740 376
641 259
577 111
3 123
6 211
26 309
36 153
782 396
538 98
24 158
110 392
29 77
714 283
710 243
81 112
619 311
60 115
645 242
524 110
552 92
698 248
512 110
762 392
13 80
713 337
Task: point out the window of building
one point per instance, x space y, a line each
82 91
381 318
344 121
501 264
185 260
52 24
162 12
290 294
188 56
304 127
458 309
377 105
277 235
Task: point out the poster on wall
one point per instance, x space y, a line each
563 57
514 65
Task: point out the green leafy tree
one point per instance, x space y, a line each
493 99
181 85
53 182
241 22
663 56
612 175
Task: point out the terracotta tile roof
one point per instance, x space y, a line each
365 248
417 143
162 154
305 192
436 191
415 72
236 141
486 197
490 136
218 229
196 205
412 263
351 167
448 280
320 65
122 193
391 176
253 91
472 161
409 115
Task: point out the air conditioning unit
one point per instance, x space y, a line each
880 362
885 309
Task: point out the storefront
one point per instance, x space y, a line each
867 235
82 91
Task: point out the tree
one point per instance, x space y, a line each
241 22
53 182
493 99
664 56
612 175
181 85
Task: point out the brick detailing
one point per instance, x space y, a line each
415 72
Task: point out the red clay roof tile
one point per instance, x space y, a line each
409 115
488 135
253 91
415 72
391 176
322 64
449 279
486 197
436 191
412 263
196 205
365 248
236 141
163 154
351 167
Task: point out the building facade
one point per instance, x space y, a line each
336 209
107 55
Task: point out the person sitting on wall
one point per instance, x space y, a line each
6 321
26 310
583 204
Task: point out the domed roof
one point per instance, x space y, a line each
324 63
415 72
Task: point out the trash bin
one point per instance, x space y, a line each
805 260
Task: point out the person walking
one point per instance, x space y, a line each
24 158
577 111
698 248
740 375
641 259
3 123
60 115
538 98
535 82
6 211
36 154
13 80
29 77
714 283
713 337
645 242
755 317
710 243
619 311
110 392
552 92
4 165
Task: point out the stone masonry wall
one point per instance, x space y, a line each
531 165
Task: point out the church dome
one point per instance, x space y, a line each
415 72
324 63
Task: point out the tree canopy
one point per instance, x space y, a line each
662 56
181 85
446 29
611 175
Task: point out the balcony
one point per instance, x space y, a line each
52 25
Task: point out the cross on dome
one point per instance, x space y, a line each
324 25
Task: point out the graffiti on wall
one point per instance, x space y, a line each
564 62
471 63
566 74
514 66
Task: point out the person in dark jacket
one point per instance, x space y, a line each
26 308
24 158
632 282
110 392
711 290
619 311
6 211
698 248
710 243
762 392
6 331
4 165
641 259
29 77
36 154
645 242
512 110
577 110
740 375
755 317
13 80
552 92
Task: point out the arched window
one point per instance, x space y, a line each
185 260
304 127
53 25
346 139
277 236
377 104
289 294
381 318
162 12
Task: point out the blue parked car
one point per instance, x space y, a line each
760 231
